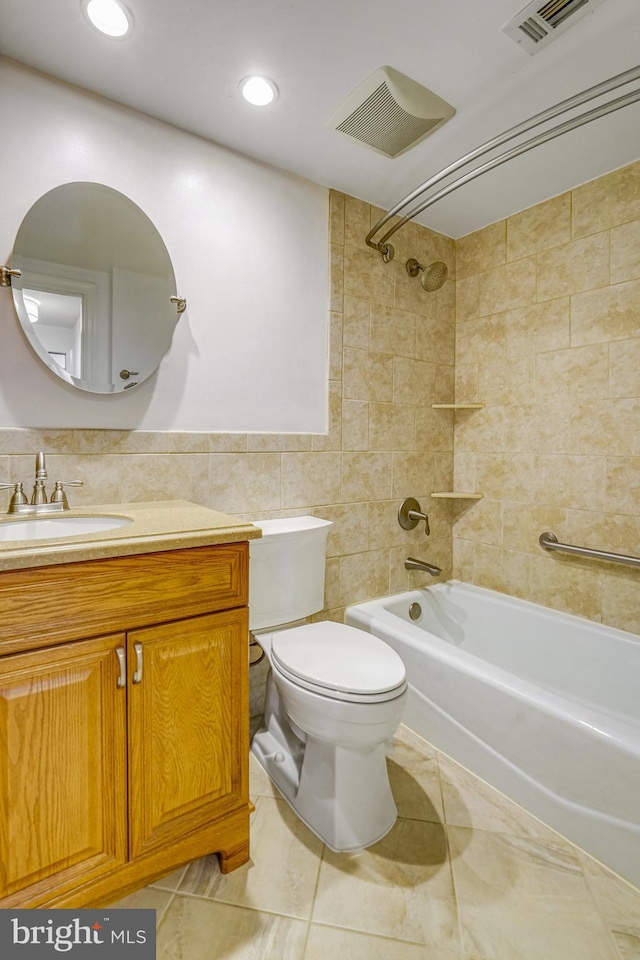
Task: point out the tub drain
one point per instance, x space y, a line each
415 611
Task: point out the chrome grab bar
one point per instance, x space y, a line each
550 542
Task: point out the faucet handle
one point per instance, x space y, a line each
19 496
417 516
59 496
410 514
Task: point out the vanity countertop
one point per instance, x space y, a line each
155 525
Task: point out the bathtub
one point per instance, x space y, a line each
543 705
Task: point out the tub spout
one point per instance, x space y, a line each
412 564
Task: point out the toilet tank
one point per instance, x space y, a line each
286 570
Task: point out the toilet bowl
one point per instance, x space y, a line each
335 695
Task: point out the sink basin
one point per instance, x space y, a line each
44 528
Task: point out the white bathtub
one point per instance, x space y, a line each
543 705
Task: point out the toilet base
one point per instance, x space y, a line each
342 813
341 793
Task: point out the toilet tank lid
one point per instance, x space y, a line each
283 527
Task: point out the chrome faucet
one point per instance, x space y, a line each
39 494
39 504
412 564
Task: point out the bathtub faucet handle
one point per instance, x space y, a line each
417 516
410 515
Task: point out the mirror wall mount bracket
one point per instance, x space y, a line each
5 276
180 302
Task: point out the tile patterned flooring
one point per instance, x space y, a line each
465 874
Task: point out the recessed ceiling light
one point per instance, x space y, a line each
258 90
109 17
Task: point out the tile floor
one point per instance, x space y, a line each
465 874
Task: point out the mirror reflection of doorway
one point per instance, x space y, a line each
59 318
60 358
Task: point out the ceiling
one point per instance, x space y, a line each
57 309
185 58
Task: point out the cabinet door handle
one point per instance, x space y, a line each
122 663
137 677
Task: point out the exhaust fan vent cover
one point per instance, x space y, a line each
390 113
540 23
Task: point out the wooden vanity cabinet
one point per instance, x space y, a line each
123 722
183 746
63 785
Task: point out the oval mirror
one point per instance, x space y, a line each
94 297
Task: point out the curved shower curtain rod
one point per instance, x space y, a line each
620 80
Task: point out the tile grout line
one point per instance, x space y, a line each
377 936
187 894
593 896
164 913
445 826
306 939
317 883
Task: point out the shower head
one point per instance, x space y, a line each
433 276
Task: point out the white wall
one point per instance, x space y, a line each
249 248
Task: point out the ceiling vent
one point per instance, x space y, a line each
390 113
540 23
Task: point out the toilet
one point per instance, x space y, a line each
335 694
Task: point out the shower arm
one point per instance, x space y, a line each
382 246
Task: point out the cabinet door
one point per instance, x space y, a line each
63 775
188 726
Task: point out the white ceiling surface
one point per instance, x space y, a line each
56 309
185 59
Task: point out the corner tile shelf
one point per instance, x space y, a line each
457 406
457 496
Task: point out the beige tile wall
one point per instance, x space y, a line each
391 356
548 337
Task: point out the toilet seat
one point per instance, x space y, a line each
340 662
